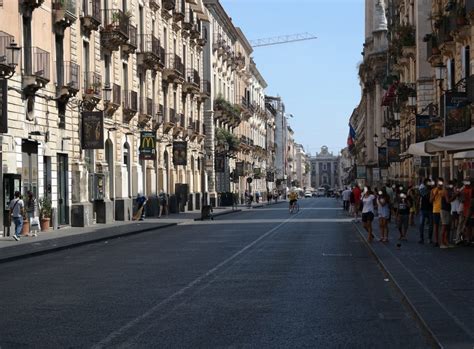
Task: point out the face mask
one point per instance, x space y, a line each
401 188
403 196
380 193
467 183
394 186
440 183
451 186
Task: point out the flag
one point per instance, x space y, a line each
351 137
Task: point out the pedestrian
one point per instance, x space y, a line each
32 213
383 203
235 201
446 199
403 215
368 199
346 195
456 210
426 211
141 203
257 197
435 198
16 207
465 199
357 201
469 232
413 194
163 199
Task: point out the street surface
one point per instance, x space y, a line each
258 279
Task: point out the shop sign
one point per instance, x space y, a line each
92 130
147 145
180 153
457 114
361 172
220 163
383 157
393 146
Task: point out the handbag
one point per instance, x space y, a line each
34 222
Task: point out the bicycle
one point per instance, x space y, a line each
295 208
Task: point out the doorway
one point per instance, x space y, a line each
109 158
63 212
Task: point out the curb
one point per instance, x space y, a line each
52 245
405 298
219 214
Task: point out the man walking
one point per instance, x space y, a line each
426 209
16 211
357 201
346 196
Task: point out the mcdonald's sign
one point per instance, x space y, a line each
147 145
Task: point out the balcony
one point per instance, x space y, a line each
129 105
67 80
30 5
154 4
178 12
64 12
90 17
115 31
132 44
196 31
169 120
112 106
150 52
168 4
192 83
37 74
205 90
91 89
174 69
188 20
8 60
158 117
245 107
179 124
145 112
202 40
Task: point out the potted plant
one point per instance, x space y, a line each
45 213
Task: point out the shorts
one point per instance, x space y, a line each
436 218
293 202
445 217
367 217
357 206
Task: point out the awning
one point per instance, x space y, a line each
418 149
464 155
454 143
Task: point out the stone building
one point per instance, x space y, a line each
303 167
325 170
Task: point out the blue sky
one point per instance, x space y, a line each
317 79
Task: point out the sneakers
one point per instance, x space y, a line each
16 238
443 246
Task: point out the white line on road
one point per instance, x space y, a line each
121 331
264 221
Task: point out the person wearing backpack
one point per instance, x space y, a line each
16 212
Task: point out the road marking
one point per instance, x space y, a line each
301 208
121 331
337 254
265 221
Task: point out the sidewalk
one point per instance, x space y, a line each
438 284
67 237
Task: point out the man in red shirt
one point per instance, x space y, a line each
357 195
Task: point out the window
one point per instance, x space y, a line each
466 57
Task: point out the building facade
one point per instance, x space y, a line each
325 170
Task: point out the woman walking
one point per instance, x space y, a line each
403 214
383 201
368 199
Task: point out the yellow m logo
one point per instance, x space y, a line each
148 142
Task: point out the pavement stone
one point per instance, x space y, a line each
438 284
68 237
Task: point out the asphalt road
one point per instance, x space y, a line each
258 279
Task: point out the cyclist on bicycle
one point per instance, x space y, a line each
293 200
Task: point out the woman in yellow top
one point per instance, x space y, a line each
293 200
435 198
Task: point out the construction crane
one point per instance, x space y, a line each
278 40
